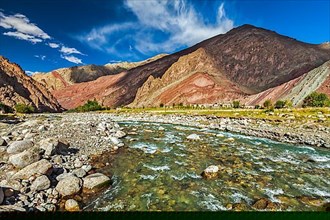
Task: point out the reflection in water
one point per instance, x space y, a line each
160 170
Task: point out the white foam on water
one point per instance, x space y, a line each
267 169
166 149
178 177
180 155
316 192
211 203
306 147
319 158
194 175
273 192
238 197
148 177
147 148
180 163
157 168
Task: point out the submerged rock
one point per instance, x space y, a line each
193 137
210 172
95 181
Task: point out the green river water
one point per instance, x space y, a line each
160 170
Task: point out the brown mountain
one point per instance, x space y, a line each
17 87
245 61
64 77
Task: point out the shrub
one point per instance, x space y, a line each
236 104
280 104
257 107
267 104
161 105
316 99
5 108
88 106
22 108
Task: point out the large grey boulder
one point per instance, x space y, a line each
68 186
95 181
40 183
19 146
25 158
41 167
53 146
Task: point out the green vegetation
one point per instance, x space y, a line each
283 104
316 99
161 105
268 104
5 108
22 108
236 104
88 107
257 107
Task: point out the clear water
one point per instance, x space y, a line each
160 170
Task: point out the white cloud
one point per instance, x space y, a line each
42 57
178 22
53 45
22 36
23 28
69 50
29 73
72 59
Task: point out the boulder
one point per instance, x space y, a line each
115 140
210 172
53 146
63 176
11 184
120 134
71 205
69 186
25 158
41 167
193 137
264 203
19 146
79 172
40 183
95 181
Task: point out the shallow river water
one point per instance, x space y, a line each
160 169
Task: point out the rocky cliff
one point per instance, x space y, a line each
17 87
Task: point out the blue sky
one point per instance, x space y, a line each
43 35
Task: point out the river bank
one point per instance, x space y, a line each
288 129
48 161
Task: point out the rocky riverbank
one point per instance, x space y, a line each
47 160
288 130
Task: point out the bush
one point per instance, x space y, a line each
5 108
22 108
161 105
316 99
257 107
267 104
88 106
236 104
280 104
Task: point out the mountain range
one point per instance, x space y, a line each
248 64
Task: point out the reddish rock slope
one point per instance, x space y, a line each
245 61
17 87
